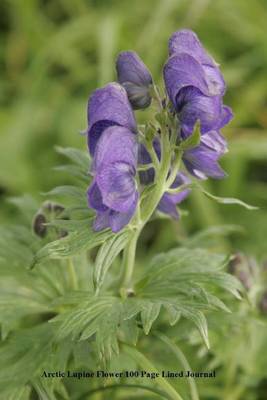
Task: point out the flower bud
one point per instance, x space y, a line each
53 207
134 76
39 226
243 268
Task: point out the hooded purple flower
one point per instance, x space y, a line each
113 192
107 107
168 201
195 87
135 78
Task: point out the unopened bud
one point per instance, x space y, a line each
136 79
242 267
39 226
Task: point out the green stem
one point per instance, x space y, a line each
175 169
72 275
148 366
147 208
150 202
181 357
154 157
128 263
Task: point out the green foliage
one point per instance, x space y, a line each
107 254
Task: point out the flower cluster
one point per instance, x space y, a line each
195 87
122 160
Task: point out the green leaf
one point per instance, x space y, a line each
183 281
198 318
26 204
193 140
208 236
227 200
75 171
129 331
84 238
69 192
107 254
149 314
78 157
29 347
174 315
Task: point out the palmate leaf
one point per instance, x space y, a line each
106 255
81 239
149 314
29 347
99 316
26 355
183 281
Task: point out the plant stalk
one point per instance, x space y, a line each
128 264
148 366
72 275
181 357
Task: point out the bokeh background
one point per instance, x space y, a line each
54 53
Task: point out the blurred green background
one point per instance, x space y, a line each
53 53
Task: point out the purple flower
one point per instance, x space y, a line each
195 87
107 107
168 201
202 161
135 78
113 192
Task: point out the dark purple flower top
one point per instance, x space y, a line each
134 76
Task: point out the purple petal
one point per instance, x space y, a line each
167 206
96 131
186 41
101 221
116 144
106 107
215 141
117 185
202 162
181 71
192 105
95 199
130 68
226 116
215 80
118 220
168 201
